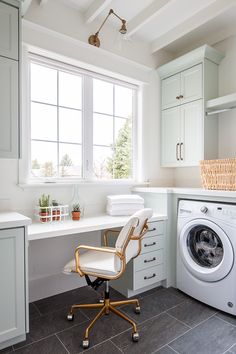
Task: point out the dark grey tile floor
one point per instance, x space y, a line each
170 322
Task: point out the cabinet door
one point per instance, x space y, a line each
171 119
9 110
171 91
9 31
191 133
12 280
191 84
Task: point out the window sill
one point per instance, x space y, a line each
113 183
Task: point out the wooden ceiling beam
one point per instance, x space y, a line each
95 9
145 16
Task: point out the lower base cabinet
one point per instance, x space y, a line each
149 268
12 286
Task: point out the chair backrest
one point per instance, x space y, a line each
137 221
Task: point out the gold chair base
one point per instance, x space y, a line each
106 307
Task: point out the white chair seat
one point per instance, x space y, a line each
96 262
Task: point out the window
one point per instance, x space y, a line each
82 124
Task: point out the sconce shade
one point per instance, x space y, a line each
94 40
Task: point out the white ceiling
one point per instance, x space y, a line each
169 24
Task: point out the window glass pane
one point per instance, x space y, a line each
43 159
119 125
123 101
70 90
102 97
122 162
70 157
43 122
43 84
102 162
102 129
70 125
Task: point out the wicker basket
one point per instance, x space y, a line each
219 174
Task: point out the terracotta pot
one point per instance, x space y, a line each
56 212
75 215
44 219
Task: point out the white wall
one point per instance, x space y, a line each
190 177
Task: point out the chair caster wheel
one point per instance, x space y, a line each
101 301
85 343
70 317
137 310
135 337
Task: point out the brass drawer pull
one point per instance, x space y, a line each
149 260
150 277
181 96
149 244
177 97
154 229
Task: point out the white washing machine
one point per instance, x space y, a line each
206 246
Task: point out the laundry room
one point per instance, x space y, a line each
117 176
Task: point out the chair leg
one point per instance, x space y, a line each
85 306
125 302
100 313
120 314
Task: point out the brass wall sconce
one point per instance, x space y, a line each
94 39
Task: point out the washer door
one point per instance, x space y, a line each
205 250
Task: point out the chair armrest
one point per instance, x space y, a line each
108 233
93 248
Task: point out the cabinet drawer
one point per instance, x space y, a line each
153 243
148 260
148 276
155 228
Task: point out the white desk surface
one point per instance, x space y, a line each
12 219
38 231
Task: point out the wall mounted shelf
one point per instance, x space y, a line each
221 104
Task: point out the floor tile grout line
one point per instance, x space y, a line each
36 341
200 323
37 309
62 344
116 346
183 323
173 349
219 318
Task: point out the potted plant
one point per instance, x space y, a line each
75 211
55 210
44 202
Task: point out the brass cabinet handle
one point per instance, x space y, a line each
177 97
154 229
149 244
181 96
177 152
150 277
150 260
181 157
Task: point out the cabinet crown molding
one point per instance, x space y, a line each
192 58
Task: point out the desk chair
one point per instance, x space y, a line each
107 263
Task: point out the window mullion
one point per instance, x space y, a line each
58 162
88 128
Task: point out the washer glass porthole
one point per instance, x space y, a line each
205 246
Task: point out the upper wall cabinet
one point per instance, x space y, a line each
182 87
9 31
9 80
187 82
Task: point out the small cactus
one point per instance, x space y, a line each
76 207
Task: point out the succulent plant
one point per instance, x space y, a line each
44 202
76 207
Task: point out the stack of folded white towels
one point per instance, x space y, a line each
124 204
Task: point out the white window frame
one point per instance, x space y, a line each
87 111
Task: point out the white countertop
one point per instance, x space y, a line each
38 230
187 191
12 219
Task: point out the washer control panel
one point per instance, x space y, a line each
190 208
